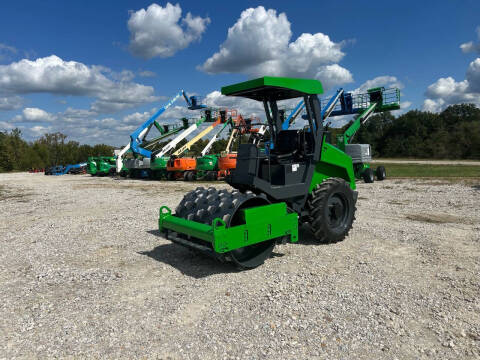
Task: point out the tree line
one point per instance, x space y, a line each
16 154
451 134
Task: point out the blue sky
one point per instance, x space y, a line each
96 69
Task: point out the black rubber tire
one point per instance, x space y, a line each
191 176
381 173
204 205
170 176
368 176
213 176
209 176
331 207
186 176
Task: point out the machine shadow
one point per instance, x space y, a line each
188 262
306 237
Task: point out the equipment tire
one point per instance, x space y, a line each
368 176
170 176
381 173
211 175
331 208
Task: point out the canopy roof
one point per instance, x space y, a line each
274 88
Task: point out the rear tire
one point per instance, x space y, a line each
331 208
381 173
170 176
368 176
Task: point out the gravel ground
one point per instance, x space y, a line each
85 273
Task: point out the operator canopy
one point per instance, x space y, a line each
274 88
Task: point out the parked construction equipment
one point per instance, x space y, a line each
303 178
92 165
207 164
184 167
69 169
106 165
142 149
374 101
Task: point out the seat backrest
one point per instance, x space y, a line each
287 142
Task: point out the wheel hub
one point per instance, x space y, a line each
336 210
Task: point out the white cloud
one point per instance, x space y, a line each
86 126
334 74
473 76
447 91
7 51
161 31
259 44
138 118
147 73
258 36
6 126
112 91
34 115
7 48
470 46
37 130
10 102
385 81
246 107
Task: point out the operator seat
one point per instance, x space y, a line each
292 145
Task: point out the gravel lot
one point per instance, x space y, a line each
85 273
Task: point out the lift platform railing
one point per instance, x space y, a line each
354 103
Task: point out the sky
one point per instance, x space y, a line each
96 70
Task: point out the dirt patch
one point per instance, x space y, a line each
438 218
398 202
13 194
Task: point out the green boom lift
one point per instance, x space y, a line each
302 178
92 165
374 101
106 165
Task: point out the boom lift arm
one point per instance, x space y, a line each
344 139
137 137
166 131
374 101
207 148
173 143
188 145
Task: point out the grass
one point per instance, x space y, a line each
430 171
